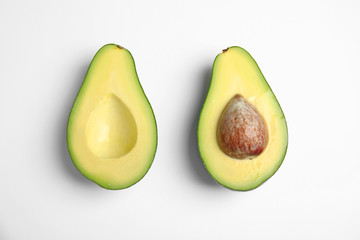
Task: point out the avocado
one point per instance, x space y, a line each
112 132
242 131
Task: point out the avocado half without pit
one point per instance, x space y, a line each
112 133
242 132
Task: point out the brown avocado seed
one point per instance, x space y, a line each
241 131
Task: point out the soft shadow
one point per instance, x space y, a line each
195 160
68 100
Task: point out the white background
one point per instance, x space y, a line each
307 50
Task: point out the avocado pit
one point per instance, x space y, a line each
241 132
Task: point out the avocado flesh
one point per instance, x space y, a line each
236 72
112 133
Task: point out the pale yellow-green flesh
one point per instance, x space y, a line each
235 72
112 132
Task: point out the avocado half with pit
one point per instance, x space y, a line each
112 133
242 132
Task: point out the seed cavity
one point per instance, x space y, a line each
241 132
111 129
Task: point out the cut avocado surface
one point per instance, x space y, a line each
112 133
242 131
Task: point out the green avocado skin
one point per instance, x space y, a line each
202 118
72 146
